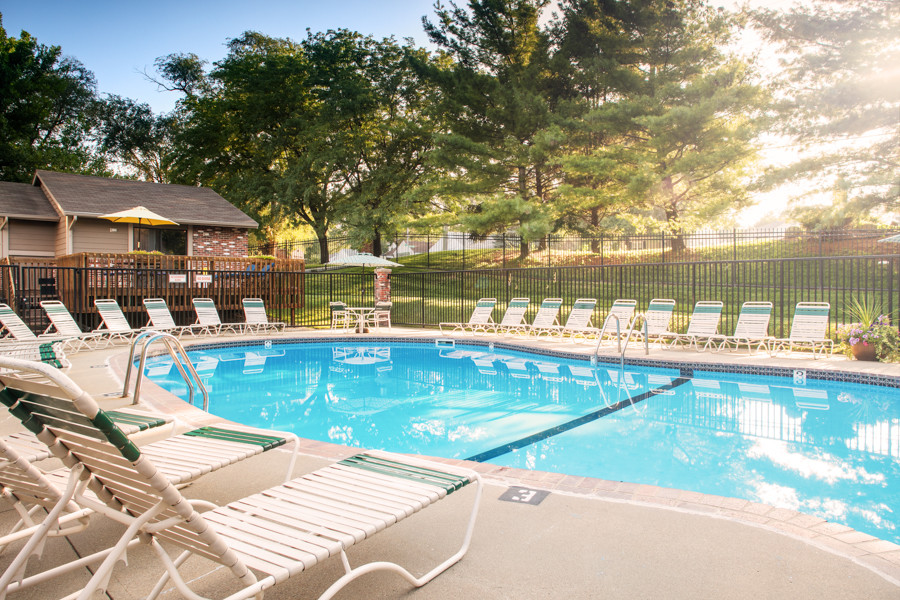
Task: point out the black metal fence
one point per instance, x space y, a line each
458 251
427 298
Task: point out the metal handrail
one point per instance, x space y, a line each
603 330
172 344
646 332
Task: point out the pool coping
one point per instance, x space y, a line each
879 556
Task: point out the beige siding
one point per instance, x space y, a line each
94 235
62 247
31 238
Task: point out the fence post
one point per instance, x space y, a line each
464 252
503 237
734 243
601 250
428 250
662 245
549 260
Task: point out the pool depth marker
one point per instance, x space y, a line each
583 420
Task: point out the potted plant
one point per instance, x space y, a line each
871 336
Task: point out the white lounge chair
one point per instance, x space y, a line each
63 324
208 320
514 318
115 326
262 539
657 317
703 326
808 329
547 318
480 320
752 328
578 323
256 318
19 336
161 318
618 319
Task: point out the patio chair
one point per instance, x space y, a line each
657 317
161 318
256 318
381 316
808 329
578 323
547 318
262 539
752 328
39 396
19 336
114 321
340 318
480 320
704 325
623 309
208 320
51 352
514 318
63 324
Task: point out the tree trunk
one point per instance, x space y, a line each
595 222
376 243
323 247
523 192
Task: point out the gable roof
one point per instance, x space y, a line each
87 196
24 201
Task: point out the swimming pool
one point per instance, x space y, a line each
830 449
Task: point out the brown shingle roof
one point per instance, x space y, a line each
88 196
24 201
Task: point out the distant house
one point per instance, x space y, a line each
58 214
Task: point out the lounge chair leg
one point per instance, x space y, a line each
351 574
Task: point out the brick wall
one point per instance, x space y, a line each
219 241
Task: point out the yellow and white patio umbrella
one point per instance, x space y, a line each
139 216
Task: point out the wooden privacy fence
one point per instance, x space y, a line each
77 288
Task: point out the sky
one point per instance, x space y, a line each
120 40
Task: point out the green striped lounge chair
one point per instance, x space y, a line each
161 318
208 320
20 338
752 328
578 323
703 326
479 321
63 324
809 329
657 319
114 324
257 319
54 409
262 539
513 320
618 319
547 318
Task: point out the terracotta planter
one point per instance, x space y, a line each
862 352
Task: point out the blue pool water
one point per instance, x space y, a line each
824 448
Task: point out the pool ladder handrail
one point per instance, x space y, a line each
623 347
172 345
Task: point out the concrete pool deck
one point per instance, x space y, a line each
589 538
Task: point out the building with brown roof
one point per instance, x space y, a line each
58 214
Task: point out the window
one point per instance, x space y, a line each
160 239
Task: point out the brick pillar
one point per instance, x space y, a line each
382 285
